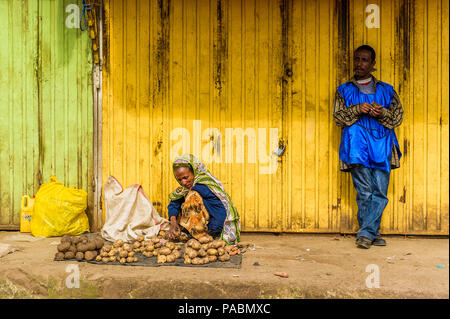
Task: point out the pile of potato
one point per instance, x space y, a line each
118 251
178 237
164 251
79 247
205 250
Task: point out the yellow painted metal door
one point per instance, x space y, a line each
203 77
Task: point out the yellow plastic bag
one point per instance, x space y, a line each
59 210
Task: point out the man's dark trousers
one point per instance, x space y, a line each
371 185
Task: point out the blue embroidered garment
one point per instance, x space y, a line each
367 142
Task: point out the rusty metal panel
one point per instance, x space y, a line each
65 99
184 76
46 102
18 108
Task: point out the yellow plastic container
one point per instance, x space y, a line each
25 214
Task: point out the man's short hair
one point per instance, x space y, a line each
367 48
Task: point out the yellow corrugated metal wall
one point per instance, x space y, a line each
186 75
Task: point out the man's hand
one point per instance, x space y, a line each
365 108
376 110
174 228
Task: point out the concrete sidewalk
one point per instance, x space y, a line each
319 266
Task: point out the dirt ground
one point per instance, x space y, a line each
319 266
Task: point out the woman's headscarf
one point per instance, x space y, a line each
231 227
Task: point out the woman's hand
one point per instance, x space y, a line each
174 229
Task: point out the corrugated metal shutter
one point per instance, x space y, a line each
48 108
186 66
18 107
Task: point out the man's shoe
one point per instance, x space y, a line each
363 242
379 242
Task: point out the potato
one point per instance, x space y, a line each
135 259
170 258
164 251
66 239
161 259
84 239
196 261
228 248
176 253
196 245
130 259
104 254
107 247
81 247
112 252
192 253
162 233
202 252
131 254
155 252
112 258
204 240
140 238
212 258
63 246
212 251
105 260
75 240
90 255
91 245
190 241
217 244
118 243
59 256
157 245
224 257
69 255
147 254
73 249
136 244
123 254
99 242
155 240
98 258
187 260
127 247
205 260
183 237
170 245
79 255
150 247
177 247
137 250
220 251
123 260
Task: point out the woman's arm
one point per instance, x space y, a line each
174 209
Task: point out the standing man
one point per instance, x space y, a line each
368 110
